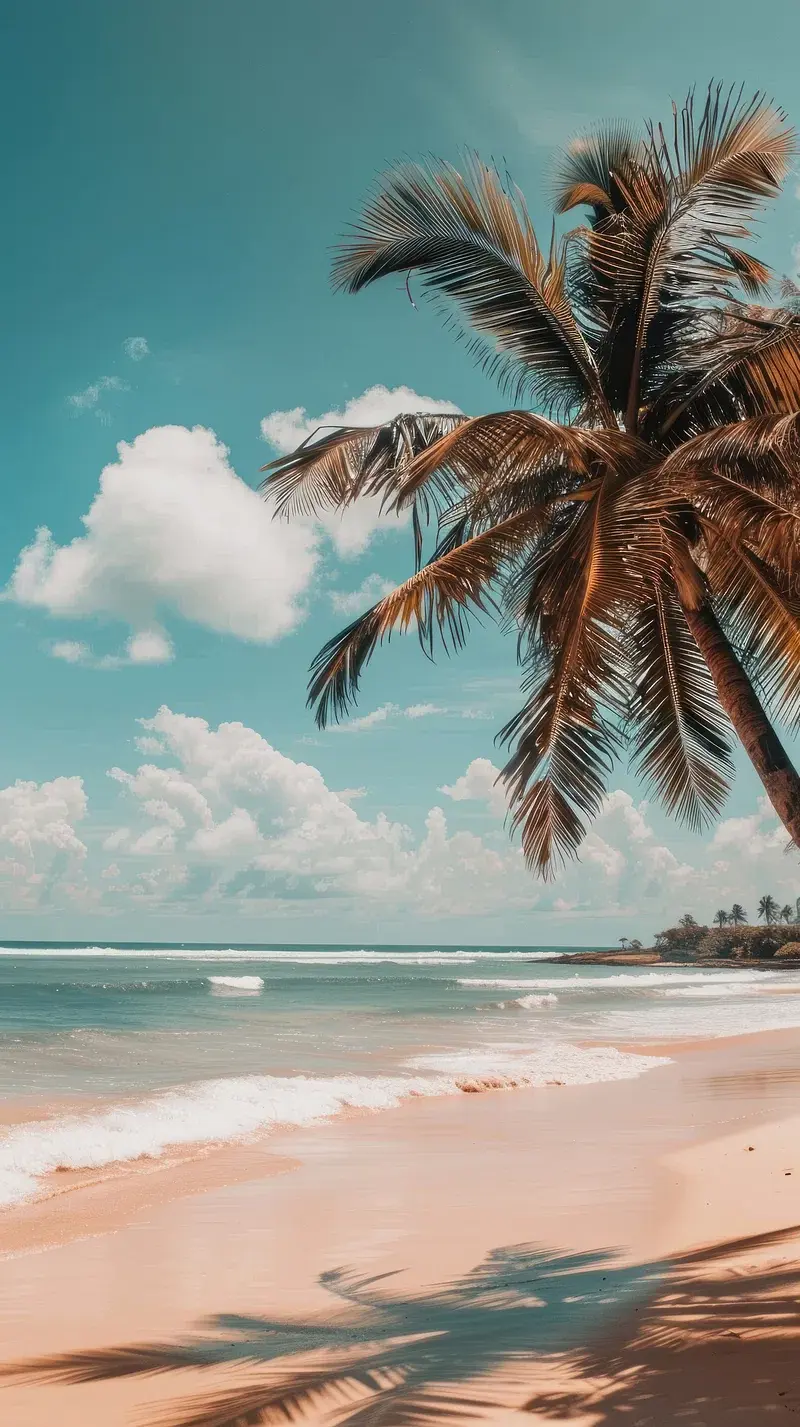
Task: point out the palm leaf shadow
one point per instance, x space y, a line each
383 1351
387 1357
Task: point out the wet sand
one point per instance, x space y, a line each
548 1181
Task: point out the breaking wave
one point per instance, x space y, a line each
313 957
216 1111
529 1003
247 984
646 980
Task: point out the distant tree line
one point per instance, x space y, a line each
733 936
769 912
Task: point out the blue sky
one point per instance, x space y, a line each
175 176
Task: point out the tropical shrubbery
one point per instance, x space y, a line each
789 951
741 942
683 939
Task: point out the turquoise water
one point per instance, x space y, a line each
76 1019
156 1050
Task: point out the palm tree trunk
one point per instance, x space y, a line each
743 707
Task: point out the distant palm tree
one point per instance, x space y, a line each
737 915
687 921
787 914
642 535
768 910
721 918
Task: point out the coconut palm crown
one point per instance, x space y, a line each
635 517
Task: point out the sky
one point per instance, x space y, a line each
175 177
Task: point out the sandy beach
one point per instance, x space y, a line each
595 1254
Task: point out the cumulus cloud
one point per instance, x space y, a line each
371 589
137 348
479 784
72 651
43 815
351 530
266 827
39 843
172 527
224 819
149 646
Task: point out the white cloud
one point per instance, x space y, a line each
153 842
173 527
384 714
230 821
38 832
285 430
72 651
423 710
351 530
351 602
751 837
147 744
149 646
137 348
235 835
369 720
89 398
261 826
43 815
479 784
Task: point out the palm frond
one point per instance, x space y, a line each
761 617
474 244
568 735
768 528
678 733
760 455
743 364
332 471
588 172
435 600
506 454
667 251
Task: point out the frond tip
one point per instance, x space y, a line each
473 242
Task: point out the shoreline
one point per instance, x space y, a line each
646 1170
110 1195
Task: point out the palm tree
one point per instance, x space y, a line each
737 915
687 921
787 914
721 918
768 910
641 529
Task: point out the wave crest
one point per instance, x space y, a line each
216 1111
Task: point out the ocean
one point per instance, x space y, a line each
126 1051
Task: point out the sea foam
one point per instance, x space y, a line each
294 956
246 984
529 1003
644 981
215 1111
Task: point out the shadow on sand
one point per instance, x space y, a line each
710 1336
